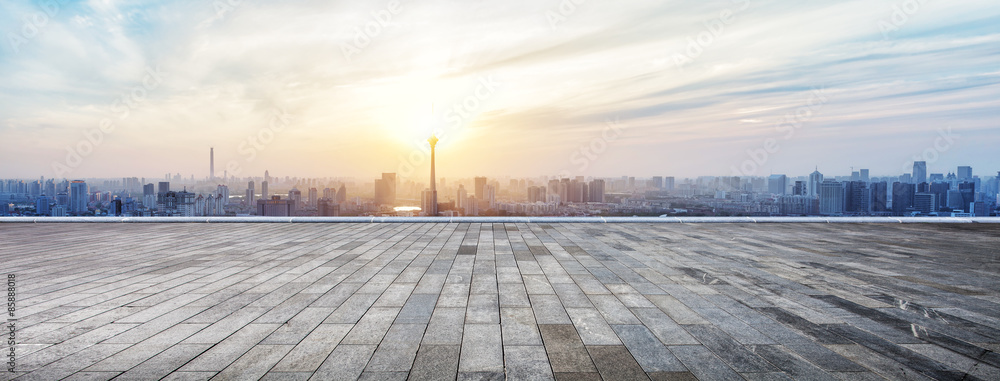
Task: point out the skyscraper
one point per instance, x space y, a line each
964 173
461 197
856 197
925 203
78 197
777 184
596 193
831 197
490 196
815 179
295 197
799 189
250 197
263 190
668 183
902 197
480 183
879 196
342 194
42 204
385 189
919 172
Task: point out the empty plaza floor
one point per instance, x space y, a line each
573 301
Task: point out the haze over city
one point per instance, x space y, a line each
512 88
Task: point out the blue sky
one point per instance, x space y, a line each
317 88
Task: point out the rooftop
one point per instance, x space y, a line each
523 300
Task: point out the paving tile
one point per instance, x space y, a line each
518 327
397 350
310 353
436 362
593 329
345 362
527 363
614 362
482 349
255 363
703 363
565 349
647 350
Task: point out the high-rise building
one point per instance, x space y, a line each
490 196
313 198
815 179
856 197
831 197
295 197
42 204
902 197
799 189
461 197
925 203
668 183
777 184
385 189
864 175
879 196
251 194
596 192
328 208
941 190
276 207
263 190
968 192
919 172
342 194
480 183
964 173
657 182
536 194
223 194
78 197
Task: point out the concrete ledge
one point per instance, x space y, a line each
687 220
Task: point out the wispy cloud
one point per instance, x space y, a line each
227 69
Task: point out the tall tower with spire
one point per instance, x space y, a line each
433 207
211 163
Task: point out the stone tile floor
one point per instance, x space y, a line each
489 301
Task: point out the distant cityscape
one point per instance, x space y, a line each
958 194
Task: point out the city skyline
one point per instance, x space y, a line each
519 88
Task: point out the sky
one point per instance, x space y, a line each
109 88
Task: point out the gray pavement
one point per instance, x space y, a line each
531 301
